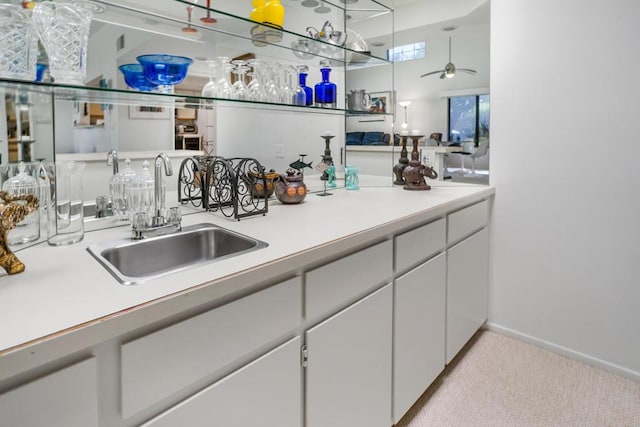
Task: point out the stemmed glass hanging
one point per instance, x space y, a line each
223 86
271 92
211 88
208 19
239 88
189 28
255 88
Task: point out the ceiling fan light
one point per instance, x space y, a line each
450 75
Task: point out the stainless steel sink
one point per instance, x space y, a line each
133 262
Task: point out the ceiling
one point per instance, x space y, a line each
434 15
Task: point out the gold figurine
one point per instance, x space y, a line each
12 211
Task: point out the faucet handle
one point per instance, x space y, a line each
175 215
140 221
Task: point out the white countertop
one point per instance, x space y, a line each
64 289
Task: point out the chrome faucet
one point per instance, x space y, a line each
159 224
158 198
112 160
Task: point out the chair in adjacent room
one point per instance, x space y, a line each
480 151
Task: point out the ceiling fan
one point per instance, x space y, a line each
450 69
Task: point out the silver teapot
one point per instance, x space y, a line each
328 34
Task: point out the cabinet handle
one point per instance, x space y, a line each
304 356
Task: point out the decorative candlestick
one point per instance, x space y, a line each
402 161
326 157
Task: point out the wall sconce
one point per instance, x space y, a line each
405 104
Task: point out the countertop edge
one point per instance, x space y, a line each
208 295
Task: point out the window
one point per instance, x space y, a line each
468 118
407 52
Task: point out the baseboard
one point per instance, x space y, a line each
618 370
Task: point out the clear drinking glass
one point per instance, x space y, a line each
18 43
64 31
66 219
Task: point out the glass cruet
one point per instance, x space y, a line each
118 184
28 229
140 193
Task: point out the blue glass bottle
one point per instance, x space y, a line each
302 79
325 90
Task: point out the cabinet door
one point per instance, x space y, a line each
65 398
266 392
348 379
467 287
418 332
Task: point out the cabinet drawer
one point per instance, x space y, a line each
65 398
341 281
265 392
468 220
417 245
158 364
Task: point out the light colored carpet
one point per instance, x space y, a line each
499 381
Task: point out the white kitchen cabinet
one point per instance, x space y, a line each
157 365
467 289
65 398
418 332
266 392
348 377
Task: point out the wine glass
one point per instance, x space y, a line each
208 19
255 87
240 68
189 29
223 85
210 90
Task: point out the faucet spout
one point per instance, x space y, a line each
158 200
112 160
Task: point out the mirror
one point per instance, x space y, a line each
427 99
87 130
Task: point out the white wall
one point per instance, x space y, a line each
244 132
566 231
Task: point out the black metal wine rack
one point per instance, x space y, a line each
223 185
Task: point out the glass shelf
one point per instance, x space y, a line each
235 31
97 95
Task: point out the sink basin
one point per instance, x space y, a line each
136 261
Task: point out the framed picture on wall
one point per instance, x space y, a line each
381 102
144 112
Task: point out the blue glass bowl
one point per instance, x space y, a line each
40 69
165 69
134 77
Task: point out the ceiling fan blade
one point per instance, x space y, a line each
432 73
443 75
466 70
